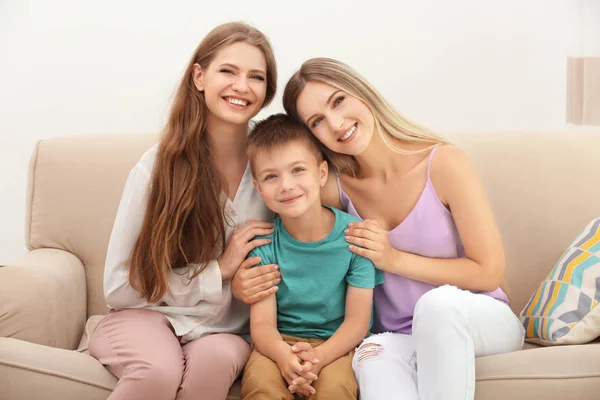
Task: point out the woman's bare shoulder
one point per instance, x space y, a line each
450 168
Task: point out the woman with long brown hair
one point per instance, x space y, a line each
185 224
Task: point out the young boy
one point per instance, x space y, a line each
322 309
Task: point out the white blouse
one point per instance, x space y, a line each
195 308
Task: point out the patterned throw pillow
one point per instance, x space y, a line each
564 309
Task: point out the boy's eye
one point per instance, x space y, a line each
298 169
316 122
338 101
270 176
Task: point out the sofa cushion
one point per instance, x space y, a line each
549 373
31 371
564 309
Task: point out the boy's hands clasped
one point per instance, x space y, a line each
311 364
299 367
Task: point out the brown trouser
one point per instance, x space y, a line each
262 379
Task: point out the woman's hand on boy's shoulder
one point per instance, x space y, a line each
368 239
241 242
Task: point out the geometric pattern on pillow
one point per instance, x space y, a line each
564 309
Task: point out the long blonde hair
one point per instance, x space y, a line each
183 223
389 123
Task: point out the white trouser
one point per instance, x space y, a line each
450 328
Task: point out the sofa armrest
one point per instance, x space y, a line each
43 298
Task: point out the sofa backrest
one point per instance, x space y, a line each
543 188
75 185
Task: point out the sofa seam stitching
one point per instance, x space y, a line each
522 377
33 187
53 373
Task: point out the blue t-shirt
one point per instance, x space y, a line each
311 300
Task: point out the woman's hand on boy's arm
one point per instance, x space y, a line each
252 284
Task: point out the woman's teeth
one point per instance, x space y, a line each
349 133
237 102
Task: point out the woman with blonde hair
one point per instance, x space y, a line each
426 224
186 221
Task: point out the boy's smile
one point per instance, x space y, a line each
289 179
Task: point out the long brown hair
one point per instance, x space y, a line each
389 122
183 223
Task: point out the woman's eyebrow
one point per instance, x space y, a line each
232 66
326 103
331 96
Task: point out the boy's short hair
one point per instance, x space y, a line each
277 131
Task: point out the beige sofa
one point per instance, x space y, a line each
543 187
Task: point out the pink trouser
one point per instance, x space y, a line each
140 348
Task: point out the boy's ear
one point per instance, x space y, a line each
256 186
198 77
323 172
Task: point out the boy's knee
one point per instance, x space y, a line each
262 380
336 382
342 386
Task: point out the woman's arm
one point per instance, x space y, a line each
128 224
458 187
182 291
126 229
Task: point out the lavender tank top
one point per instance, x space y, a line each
429 230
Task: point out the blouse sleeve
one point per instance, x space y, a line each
118 292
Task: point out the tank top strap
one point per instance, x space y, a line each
433 149
343 196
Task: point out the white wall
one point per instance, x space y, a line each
76 67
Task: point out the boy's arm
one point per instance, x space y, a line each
263 318
268 341
263 328
352 331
